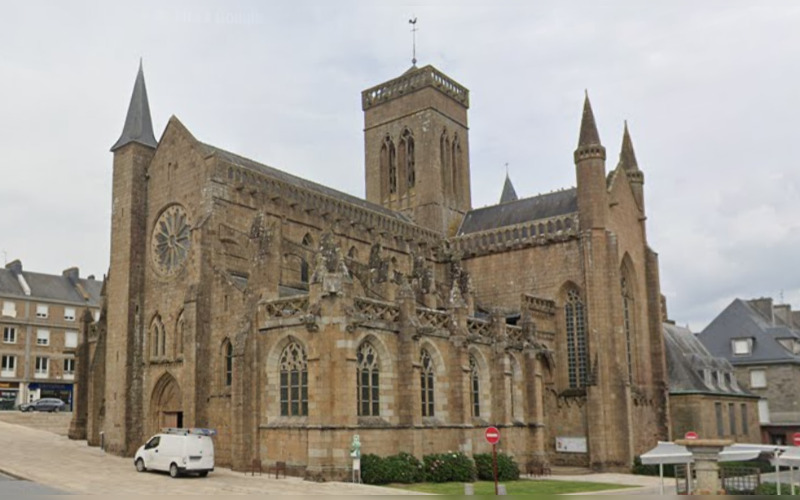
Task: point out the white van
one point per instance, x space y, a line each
177 451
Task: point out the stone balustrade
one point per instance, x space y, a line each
411 81
519 235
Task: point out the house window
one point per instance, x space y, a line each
8 366
69 367
720 422
732 418
71 339
42 311
9 335
42 337
742 347
69 314
745 423
294 381
758 379
577 359
368 377
426 384
9 309
475 387
41 367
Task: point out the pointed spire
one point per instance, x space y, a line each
509 193
589 135
138 125
627 158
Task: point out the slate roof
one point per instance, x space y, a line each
741 320
50 287
280 175
524 210
688 359
138 125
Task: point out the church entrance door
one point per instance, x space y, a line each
166 404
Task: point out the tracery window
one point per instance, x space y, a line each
577 357
158 338
294 381
368 381
627 312
426 384
179 328
475 387
308 242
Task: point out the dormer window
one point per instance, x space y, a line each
742 347
791 344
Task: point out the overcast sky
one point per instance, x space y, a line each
709 89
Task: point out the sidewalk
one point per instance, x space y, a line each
72 466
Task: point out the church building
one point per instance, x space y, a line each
290 316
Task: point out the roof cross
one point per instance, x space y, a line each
413 23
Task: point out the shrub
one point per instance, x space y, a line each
401 468
772 489
451 466
507 468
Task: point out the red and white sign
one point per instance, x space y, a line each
796 438
492 435
692 435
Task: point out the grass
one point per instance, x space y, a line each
521 487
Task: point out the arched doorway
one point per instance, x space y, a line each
166 404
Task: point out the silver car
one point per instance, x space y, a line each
44 404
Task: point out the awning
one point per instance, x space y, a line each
670 453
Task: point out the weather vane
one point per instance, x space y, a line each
413 23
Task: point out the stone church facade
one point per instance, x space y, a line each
290 316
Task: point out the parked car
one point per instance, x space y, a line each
44 404
178 451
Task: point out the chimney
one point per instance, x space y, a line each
784 313
764 307
15 266
72 274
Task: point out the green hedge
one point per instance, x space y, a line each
451 466
507 468
400 468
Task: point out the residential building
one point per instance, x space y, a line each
704 395
762 342
41 318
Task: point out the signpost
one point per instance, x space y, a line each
691 435
493 436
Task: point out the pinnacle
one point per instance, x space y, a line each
588 135
509 193
138 125
627 157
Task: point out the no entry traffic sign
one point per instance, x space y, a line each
691 435
796 438
492 435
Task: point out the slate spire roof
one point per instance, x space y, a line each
138 125
627 158
509 193
589 135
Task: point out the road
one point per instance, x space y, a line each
11 488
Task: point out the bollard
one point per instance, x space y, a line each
501 489
469 489
103 441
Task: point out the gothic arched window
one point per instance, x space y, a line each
627 318
426 384
227 358
368 381
445 164
294 381
577 356
474 387
389 164
308 242
158 338
455 167
407 143
179 328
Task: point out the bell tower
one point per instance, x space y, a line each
417 147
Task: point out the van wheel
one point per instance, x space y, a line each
173 470
140 465
202 473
